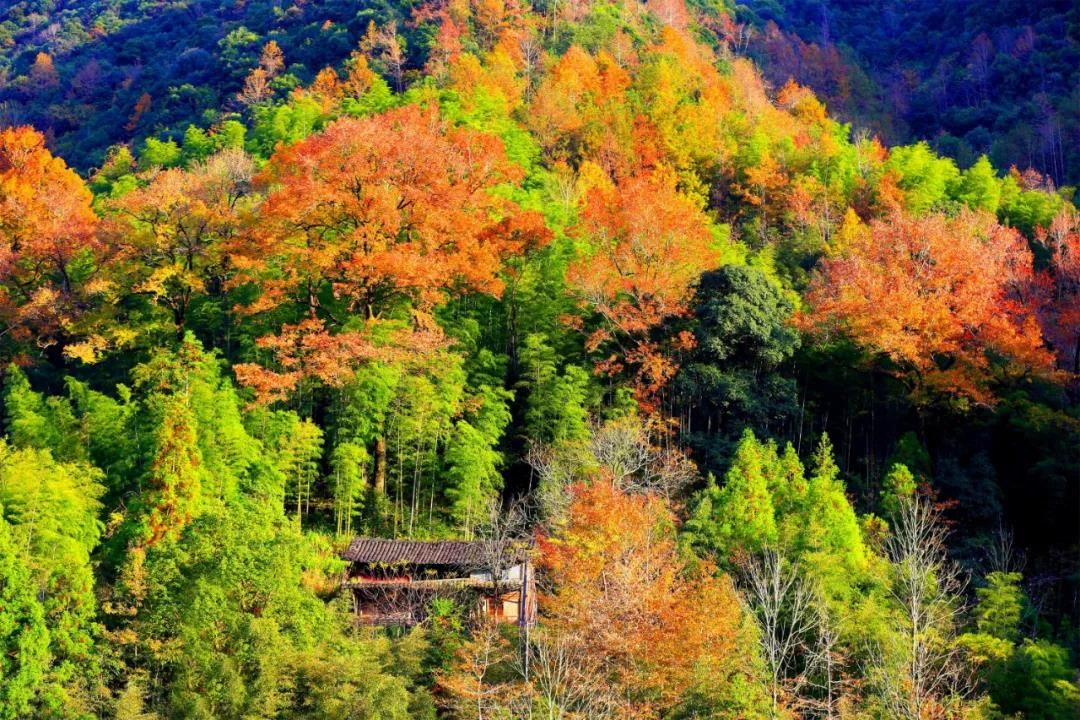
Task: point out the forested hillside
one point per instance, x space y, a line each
995 78
788 414
999 78
93 73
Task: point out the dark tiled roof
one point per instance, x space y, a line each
418 552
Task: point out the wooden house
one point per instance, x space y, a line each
393 582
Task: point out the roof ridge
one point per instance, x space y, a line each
417 552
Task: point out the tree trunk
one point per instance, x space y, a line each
378 479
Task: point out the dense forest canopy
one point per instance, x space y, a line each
973 78
785 406
988 78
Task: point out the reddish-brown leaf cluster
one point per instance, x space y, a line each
647 244
1059 285
390 206
369 216
47 226
943 298
626 597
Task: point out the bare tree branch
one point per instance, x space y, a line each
927 591
785 606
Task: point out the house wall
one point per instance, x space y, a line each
399 599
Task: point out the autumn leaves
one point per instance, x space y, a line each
948 301
373 222
47 242
379 219
345 243
634 611
648 245
376 221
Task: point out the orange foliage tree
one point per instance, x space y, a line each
476 686
942 298
379 217
43 73
1060 282
625 595
49 252
647 244
142 105
580 109
172 236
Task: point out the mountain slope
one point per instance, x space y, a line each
1001 78
188 57
760 390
